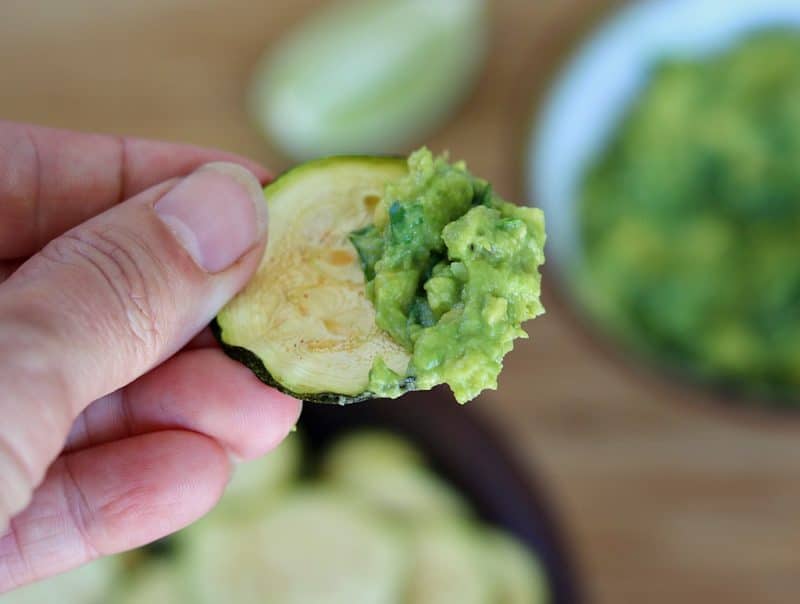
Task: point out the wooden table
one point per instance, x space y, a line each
665 498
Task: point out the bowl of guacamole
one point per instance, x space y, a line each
673 189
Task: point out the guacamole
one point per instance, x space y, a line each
690 218
452 271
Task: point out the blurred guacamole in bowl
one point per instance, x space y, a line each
689 220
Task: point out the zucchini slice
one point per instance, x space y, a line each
315 547
304 324
377 448
388 474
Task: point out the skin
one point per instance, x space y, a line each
119 414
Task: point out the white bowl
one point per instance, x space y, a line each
594 92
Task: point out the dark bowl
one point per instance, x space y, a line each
465 451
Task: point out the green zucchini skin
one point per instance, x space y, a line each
254 364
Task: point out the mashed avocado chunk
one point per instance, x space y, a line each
452 270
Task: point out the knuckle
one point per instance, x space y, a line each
132 279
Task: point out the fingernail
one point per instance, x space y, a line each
217 213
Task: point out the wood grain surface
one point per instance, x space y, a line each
666 497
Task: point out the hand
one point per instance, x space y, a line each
114 432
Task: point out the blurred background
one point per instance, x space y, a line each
656 404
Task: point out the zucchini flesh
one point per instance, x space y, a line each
378 527
386 473
448 568
304 323
315 547
405 494
380 449
517 576
88 584
155 583
258 482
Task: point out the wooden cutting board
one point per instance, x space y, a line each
666 498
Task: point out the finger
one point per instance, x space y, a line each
111 498
52 180
203 391
112 298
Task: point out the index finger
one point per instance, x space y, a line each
52 180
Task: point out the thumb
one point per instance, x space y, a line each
110 299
